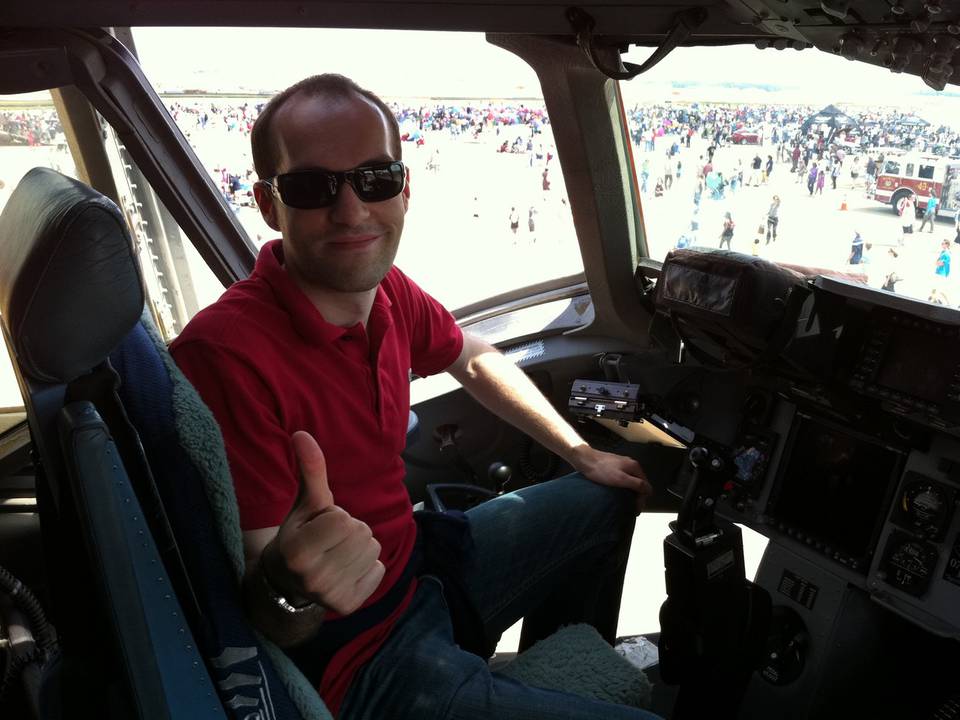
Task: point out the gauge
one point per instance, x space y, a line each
908 563
925 506
786 647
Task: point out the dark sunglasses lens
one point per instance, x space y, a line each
379 182
306 190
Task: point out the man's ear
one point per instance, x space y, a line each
263 194
406 191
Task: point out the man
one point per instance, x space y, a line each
755 166
773 219
317 345
908 213
856 249
930 212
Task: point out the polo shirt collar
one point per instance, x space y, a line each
307 321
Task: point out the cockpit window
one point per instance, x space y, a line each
789 156
488 211
30 136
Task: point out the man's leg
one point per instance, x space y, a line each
420 674
553 553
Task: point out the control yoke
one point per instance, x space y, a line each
714 621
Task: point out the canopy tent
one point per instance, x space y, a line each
912 121
831 116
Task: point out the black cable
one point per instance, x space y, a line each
16 663
42 631
27 603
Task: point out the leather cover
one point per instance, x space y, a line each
70 285
726 304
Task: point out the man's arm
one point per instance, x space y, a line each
504 389
319 555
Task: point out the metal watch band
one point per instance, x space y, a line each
280 600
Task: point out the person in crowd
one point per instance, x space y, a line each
812 178
726 234
755 246
856 249
930 211
943 260
773 219
755 170
835 172
907 209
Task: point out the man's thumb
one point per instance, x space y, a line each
315 495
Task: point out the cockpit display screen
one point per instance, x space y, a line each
834 487
919 364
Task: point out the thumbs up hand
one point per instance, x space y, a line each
321 553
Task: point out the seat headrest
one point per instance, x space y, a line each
70 284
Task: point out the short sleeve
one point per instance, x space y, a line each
435 338
258 447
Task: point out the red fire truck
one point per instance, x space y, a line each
920 175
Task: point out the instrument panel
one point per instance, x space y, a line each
849 458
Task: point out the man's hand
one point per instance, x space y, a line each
614 470
321 553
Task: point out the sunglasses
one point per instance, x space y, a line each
312 189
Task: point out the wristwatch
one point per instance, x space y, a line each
280 600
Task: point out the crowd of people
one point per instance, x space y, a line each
30 126
515 128
782 127
710 151
719 152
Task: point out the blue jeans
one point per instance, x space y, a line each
565 540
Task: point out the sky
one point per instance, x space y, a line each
410 64
424 64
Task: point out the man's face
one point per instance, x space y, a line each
349 246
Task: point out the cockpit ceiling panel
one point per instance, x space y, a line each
920 37
649 18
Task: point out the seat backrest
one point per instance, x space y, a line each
184 448
70 294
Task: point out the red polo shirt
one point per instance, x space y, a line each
267 364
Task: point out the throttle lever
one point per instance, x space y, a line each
695 521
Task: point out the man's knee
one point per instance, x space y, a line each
610 507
